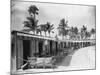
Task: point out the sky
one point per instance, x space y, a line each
77 15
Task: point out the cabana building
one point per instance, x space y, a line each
24 45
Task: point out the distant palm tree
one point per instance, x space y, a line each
43 28
92 31
71 32
87 35
38 30
62 27
76 30
49 28
83 32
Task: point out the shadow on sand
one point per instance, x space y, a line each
64 60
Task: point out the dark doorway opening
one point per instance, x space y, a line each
56 48
40 48
51 52
26 50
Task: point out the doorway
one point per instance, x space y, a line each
26 50
40 48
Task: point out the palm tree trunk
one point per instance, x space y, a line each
34 18
34 22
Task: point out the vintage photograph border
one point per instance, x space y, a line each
59 4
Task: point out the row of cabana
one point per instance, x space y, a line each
26 45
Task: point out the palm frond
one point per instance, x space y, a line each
32 9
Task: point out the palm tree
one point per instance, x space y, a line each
71 32
92 31
87 34
62 27
83 32
49 28
38 30
31 22
33 10
76 30
43 27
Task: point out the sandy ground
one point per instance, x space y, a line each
83 58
